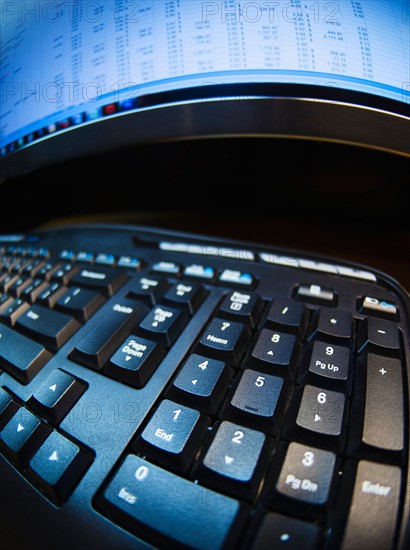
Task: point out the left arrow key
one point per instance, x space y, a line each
22 436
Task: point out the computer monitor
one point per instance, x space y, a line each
79 77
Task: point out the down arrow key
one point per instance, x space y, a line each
235 460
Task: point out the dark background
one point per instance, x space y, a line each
334 199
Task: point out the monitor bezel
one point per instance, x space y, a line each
260 110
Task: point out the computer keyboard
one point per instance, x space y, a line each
168 390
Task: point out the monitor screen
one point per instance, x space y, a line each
82 76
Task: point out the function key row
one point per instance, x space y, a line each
194 271
314 293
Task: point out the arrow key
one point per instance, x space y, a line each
57 466
22 435
201 383
235 460
56 395
321 414
275 352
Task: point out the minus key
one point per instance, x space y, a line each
379 334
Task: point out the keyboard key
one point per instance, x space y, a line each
19 266
174 434
85 257
275 352
80 303
384 392
32 268
51 294
170 268
67 255
43 253
225 340
335 323
201 383
6 281
5 301
315 294
379 308
330 361
47 270
378 334
149 289
23 434
235 277
287 314
57 466
104 280
56 395
306 477
230 463
163 324
187 296
20 356
19 285
129 262
7 265
33 290
321 411
8 407
243 307
135 361
51 328
5 400
190 515
257 401
287 533
374 508
200 272
12 312
65 273
105 259
107 329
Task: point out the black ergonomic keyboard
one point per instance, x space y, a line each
168 390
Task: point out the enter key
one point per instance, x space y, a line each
374 508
